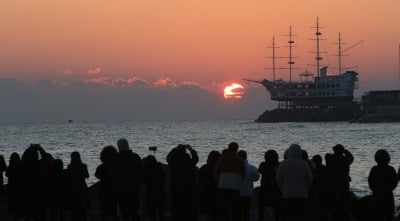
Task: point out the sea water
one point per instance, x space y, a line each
60 139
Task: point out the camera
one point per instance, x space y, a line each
153 148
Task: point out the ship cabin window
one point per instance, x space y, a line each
307 94
306 86
337 85
323 94
299 86
327 86
333 93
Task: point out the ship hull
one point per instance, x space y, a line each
339 113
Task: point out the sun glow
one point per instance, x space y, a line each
233 91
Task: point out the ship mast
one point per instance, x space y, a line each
290 62
318 34
273 57
340 53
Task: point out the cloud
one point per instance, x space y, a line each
67 71
94 71
164 83
116 99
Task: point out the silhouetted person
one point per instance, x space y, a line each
46 169
209 186
14 187
382 181
230 171
294 178
304 156
107 199
58 191
369 208
247 186
269 195
3 168
319 194
154 178
32 183
127 177
339 168
77 174
183 173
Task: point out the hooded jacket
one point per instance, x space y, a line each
294 176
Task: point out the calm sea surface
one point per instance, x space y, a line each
60 139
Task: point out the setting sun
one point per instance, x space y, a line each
233 91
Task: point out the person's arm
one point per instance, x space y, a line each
42 152
256 174
193 153
394 178
243 170
3 165
349 157
85 171
372 179
99 173
398 174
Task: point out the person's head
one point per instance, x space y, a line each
294 152
304 155
123 145
317 159
150 161
271 156
338 149
213 157
14 159
233 147
108 153
242 154
382 157
58 164
76 158
328 159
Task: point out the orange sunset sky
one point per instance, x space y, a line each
208 42
193 40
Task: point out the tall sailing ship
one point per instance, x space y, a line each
314 98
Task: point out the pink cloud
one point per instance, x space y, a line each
94 71
67 71
165 83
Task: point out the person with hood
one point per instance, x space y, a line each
382 181
294 178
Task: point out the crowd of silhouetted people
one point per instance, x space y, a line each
296 188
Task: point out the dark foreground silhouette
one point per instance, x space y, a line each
130 188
